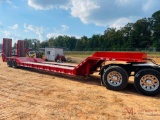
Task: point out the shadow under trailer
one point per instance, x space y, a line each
113 76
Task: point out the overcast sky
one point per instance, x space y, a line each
42 19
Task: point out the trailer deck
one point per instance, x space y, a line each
86 67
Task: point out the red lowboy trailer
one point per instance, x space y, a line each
114 76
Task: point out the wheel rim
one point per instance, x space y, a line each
114 78
149 83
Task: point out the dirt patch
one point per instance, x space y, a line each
27 94
72 59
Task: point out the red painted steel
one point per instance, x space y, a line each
38 63
21 48
6 49
88 66
122 56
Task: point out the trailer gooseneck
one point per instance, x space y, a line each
114 76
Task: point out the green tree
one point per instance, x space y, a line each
155 29
44 44
141 33
110 40
51 42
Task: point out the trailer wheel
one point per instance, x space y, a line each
147 82
14 64
115 78
9 63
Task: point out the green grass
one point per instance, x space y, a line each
79 54
154 54
85 54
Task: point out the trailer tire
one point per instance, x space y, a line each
147 82
115 78
9 63
14 64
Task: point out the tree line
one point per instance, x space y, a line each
143 34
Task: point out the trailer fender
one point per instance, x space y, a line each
14 63
9 63
101 74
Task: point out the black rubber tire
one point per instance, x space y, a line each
120 71
14 64
142 73
9 63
